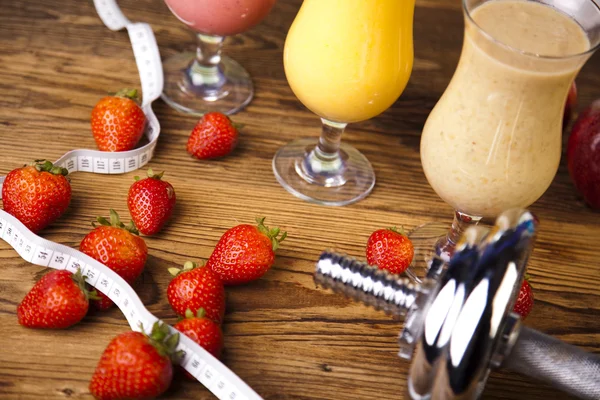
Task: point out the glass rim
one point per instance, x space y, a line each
527 53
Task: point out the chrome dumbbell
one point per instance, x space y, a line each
459 322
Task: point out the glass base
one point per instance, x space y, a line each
424 239
189 91
300 178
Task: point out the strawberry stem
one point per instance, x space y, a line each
270 233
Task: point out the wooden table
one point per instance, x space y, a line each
284 337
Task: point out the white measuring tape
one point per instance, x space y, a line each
213 374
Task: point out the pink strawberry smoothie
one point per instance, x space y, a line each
220 17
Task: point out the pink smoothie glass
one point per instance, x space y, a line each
206 81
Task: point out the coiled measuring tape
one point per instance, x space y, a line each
213 374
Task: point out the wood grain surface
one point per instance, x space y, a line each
286 338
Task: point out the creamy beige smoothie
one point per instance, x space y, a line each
493 141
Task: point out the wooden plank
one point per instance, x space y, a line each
286 338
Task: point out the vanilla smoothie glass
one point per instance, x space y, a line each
346 61
205 81
493 141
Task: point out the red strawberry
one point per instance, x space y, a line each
151 202
118 121
136 366
37 194
58 300
118 247
213 136
245 252
202 330
390 249
193 288
524 302
583 154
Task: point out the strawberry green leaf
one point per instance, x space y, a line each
115 221
163 341
114 218
397 230
187 266
270 233
102 221
152 175
128 94
79 279
47 166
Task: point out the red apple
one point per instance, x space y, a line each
570 105
583 154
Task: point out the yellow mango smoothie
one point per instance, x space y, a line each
349 60
493 141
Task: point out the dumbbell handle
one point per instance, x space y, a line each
564 366
368 285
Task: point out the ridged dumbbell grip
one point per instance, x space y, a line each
365 284
564 366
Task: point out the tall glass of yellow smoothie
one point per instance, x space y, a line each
347 61
493 141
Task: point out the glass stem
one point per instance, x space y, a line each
205 68
328 148
324 165
445 246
